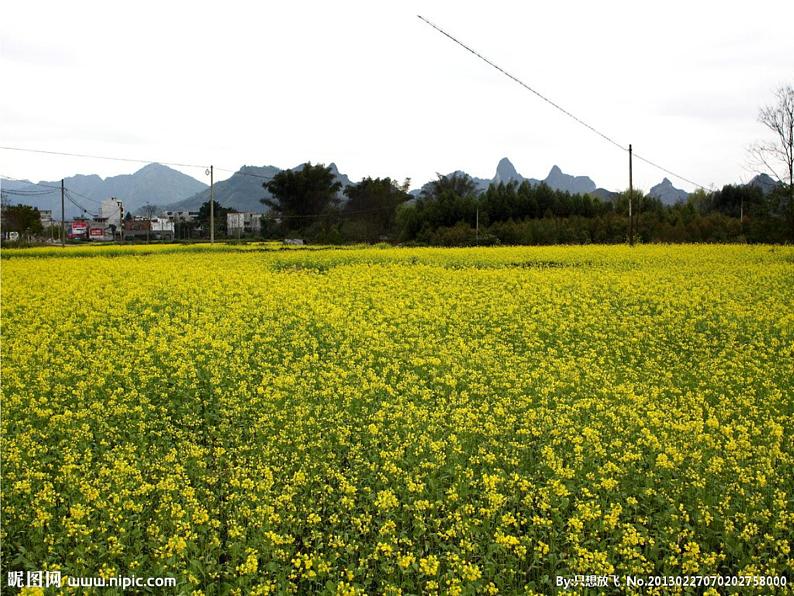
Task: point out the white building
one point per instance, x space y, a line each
112 211
243 223
182 216
162 228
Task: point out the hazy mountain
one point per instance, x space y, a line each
604 195
244 190
667 193
24 192
506 172
765 182
85 191
341 178
153 183
565 182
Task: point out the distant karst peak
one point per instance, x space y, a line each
506 171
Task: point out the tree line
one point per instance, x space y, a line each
450 212
310 204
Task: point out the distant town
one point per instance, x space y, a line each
113 223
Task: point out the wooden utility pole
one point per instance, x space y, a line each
477 225
631 197
212 207
63 219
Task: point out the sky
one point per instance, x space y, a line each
372 88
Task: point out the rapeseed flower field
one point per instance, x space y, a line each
389 420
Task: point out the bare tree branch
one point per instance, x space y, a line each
768 156
761 163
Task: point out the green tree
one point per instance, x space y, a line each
700 200
442 204
304 196
371 208
458 183
219 214
737 200
23 219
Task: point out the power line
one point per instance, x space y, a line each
29 182
69 196
54 188
134 160
83 196
554 104
520 82
241 173
26 193
128 159
656 165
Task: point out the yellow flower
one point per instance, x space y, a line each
251 563
428 565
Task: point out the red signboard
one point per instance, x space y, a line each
97 233
79 229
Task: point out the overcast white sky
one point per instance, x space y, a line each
369 86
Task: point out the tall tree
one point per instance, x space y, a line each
458 183
776 155
372 206
302 196
22 218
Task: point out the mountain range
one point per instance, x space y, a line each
154 184
667 193
170 190
556 179
243 190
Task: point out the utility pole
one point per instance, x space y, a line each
63 219
477 224
212 207
121 220
631 196
149 222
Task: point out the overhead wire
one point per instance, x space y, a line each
11 178
71 199
107 157
556 105
28 193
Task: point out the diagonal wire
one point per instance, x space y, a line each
129 159
525 86
554 104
